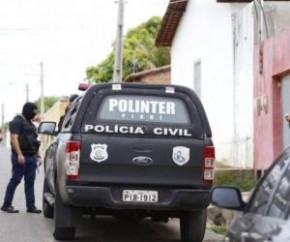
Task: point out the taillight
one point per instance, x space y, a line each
72 161
208 164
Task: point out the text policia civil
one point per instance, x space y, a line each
127 129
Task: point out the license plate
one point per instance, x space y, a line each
140 196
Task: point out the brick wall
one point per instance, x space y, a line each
160 75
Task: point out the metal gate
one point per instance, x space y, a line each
285 101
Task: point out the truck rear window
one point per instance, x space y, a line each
140 108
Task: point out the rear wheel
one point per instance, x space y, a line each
64 218
64 233
192 225
47 208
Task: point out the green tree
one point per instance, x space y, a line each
48 102
139 53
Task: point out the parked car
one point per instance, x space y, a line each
265 216
131 151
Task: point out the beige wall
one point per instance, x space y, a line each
56 111
53 114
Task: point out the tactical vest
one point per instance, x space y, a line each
27 139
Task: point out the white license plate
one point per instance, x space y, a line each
140 196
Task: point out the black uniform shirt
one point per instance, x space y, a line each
16 125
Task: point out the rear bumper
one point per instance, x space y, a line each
105 197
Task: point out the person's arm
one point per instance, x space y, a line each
39 160
16 147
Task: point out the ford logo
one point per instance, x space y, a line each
142 160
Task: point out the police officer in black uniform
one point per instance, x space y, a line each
24 158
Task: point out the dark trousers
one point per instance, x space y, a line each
18 171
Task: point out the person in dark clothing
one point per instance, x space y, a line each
61 119
1 135
287 117
24 158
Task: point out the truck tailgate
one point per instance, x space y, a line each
162 161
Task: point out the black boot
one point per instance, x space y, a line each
7 207
33 210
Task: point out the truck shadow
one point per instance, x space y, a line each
110 229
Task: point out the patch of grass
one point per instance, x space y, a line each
245 180
219 229
222 164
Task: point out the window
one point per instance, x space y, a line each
71 114
273 189
141 108
280 203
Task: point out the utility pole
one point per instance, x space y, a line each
41 91
27 92
2 116
119 44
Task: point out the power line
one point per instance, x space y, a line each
18 64
31 29
14 29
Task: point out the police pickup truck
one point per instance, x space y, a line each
131 151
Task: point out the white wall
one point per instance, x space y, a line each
206 33
243 86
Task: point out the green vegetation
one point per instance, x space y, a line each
245 180
219 229
222 164
48 102
139 53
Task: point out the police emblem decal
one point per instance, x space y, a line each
180 155
99 152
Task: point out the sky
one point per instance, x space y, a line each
67 36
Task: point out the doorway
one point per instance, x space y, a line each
285 102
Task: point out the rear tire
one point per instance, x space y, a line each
47 208
64 227
64 233
192 225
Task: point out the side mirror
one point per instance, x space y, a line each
47 128
227 197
